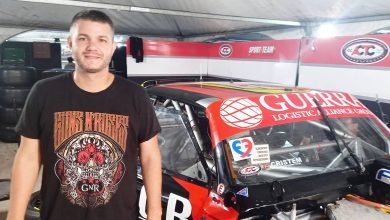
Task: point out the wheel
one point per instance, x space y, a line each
8 134
33 207
9 115
53 72
13 97
17 76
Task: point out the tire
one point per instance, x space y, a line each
17 76
54 72
8 134
10 115
13 97
33 207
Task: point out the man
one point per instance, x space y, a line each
87 129
351 125
70 64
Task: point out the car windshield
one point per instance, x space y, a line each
303 148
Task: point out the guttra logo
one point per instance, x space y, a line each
365 51
225 50
241 113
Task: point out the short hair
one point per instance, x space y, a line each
93 15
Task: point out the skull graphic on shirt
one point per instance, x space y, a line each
89 168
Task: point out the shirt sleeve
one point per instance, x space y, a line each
28 124
148 122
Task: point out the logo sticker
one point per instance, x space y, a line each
365 51
249 170
243 192
225 50
261 154
220 188
241 113
383 175
286 162
241 148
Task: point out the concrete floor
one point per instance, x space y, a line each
7 154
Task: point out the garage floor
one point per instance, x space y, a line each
7 154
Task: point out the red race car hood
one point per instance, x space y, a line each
238 114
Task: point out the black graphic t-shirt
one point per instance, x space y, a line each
89 144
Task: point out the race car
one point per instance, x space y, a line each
247 150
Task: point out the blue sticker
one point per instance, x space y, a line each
242 148
243 192
383 175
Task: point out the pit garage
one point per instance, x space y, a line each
301 67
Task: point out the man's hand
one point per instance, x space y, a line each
25 171
152 176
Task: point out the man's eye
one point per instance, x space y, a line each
103 40
82 38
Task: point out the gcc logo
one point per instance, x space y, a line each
249 170
241 148
225 50
365 51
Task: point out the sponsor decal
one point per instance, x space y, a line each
383 175
244 148
249 170
302 101
302 106
177 208
261 50
241 148
220 188
243 192
286 162
241 113
235 115
225 50
365 51
261 154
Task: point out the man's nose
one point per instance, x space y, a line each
92 44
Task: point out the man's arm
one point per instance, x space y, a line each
152 176
25 171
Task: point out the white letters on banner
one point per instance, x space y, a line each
285 102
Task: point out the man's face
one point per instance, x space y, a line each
92 45
352 126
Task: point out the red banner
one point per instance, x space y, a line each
172 48
263 50
277 50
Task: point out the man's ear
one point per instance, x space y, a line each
69 41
